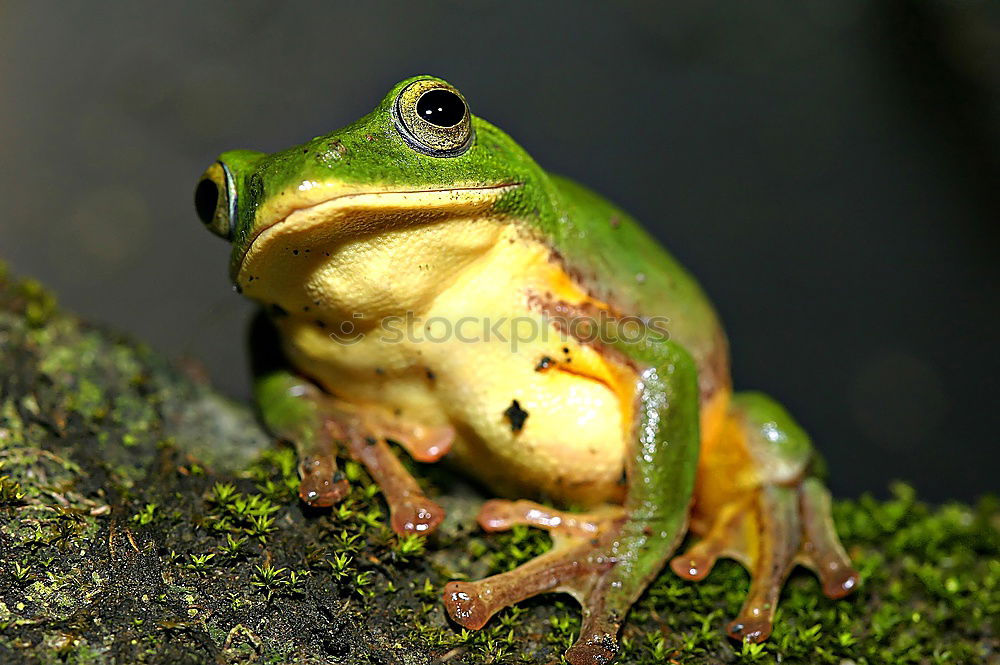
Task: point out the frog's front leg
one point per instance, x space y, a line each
607 558
756 503
296 410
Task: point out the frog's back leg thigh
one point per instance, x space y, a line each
758 503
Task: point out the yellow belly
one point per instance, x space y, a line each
469 347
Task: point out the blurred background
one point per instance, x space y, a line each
828 170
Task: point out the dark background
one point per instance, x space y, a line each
827 169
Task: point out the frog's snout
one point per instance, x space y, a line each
215 200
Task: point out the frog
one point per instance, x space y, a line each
426 288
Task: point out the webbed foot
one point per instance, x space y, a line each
769 533
757 504
582 554
364 435
298 411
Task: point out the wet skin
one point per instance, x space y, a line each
616 402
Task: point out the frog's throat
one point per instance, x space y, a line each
357 213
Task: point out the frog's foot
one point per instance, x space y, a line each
577 564
323 485
770 531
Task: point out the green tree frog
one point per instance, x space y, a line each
424 281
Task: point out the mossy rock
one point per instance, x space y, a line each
146 519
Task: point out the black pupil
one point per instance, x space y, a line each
206 196
441 107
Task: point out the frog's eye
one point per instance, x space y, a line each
433 118
215 200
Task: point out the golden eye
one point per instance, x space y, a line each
433 118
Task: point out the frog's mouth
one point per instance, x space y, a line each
320 226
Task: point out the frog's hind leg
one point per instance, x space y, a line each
756 504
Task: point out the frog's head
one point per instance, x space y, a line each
419 156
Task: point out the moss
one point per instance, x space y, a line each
145 519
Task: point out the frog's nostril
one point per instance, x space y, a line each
206 199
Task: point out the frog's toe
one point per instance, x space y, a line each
598 640
698 561
424 444
411 512
597 645
419 515
321 483
471 604
770 542
502 515
821 549
750 629
468 605
695 564
762 532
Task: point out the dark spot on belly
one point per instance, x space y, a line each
370 440
516 416
379 371
305 308
320 324
545 363
295 252
430 375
